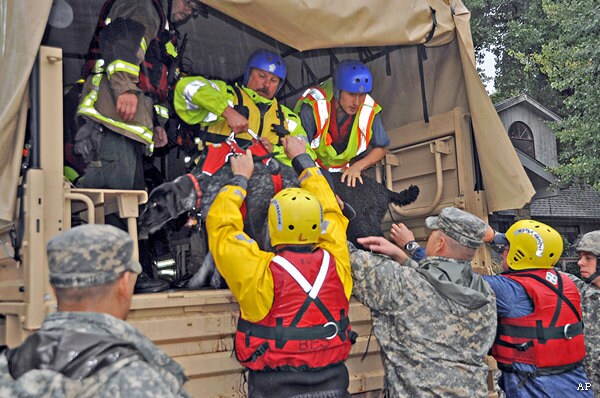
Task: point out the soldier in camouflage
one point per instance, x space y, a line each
86 349
589 288
434 320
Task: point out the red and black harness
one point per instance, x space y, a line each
557 344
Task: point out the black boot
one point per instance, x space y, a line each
145 284
148 281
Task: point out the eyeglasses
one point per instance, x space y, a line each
498 248
195 6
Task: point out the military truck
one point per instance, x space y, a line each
445 137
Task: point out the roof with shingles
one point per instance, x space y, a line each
576 202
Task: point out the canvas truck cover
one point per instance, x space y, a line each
306 33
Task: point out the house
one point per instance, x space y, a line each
572 211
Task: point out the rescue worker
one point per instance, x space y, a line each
539 344
588 248
342 122
220 108
293 333
131 66
86 349
434 320
131 62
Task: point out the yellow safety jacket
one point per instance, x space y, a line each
245 266
202 101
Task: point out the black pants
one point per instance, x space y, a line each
331 382
120 164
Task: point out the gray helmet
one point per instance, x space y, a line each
590 243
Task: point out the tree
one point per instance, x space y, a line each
572 62
549 49
514 31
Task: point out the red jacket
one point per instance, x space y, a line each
308 325
551 337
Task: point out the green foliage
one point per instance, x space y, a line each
549 50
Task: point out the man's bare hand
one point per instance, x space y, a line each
379 244
293 146
351 175
267 144
235 120
127 106
160 137
401 235
242 164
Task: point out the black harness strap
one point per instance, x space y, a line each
422 55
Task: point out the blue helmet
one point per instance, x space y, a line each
352 76
269 62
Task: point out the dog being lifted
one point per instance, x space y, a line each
197 190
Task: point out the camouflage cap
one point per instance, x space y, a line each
90 255
590 243
463 227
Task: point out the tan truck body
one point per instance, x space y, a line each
196 327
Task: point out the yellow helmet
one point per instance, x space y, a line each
295 217
533 245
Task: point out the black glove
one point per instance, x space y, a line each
87 141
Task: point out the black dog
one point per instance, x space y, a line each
169 200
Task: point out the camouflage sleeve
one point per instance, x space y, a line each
141 380
377 280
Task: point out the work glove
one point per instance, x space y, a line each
87 141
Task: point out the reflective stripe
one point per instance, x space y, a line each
291 124
188 95
87 108
144 45
122 66
366 111
316 93
98 66
171 50
161 111
313 291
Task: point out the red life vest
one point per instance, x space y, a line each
308 325
551 338
154 71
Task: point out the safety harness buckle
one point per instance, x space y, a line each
335 333
566 331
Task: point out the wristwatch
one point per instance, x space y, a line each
411 246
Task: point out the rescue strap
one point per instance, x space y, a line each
421 56
559 293
542 333
197 188
554 370
280 333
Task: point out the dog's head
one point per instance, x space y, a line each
166 202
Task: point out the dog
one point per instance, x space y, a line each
196 191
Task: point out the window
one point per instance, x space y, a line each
522 138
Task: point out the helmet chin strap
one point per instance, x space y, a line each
596 274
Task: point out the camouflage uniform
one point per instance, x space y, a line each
435 321
590 309
83 257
